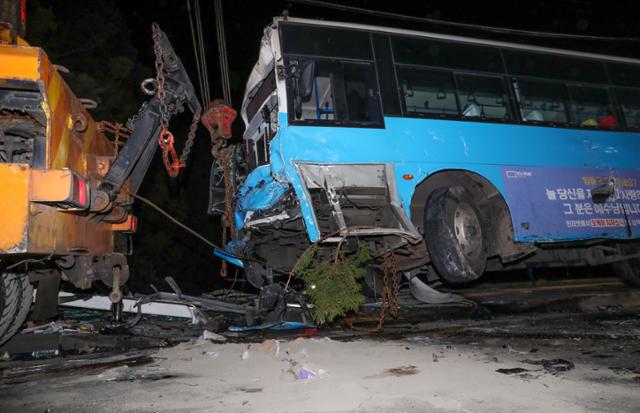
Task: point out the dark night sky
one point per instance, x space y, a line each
160 248
245 21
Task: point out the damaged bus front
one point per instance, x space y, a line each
458 155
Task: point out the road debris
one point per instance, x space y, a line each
269 347
126 373
211 336
305 374
552 366
408 370
515 370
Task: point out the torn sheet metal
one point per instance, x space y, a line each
98 302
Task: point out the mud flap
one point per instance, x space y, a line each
422 292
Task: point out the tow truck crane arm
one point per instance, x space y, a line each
135 156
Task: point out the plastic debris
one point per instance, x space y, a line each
245 354
305 374
279 326
209 335
269 347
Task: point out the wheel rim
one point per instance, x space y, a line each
467 230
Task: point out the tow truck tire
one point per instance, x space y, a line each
16 295
454 235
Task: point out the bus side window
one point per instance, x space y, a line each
542 101
482 96
592 107
428 92
340 92
629 101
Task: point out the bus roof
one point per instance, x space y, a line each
461 39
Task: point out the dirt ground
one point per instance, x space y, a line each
413 374
583 357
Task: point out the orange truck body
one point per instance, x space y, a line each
44 204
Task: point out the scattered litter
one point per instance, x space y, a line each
305 374
75 362
435 357
125 373
50 328
215 354
250 389
512 350
45 354
209 335
269 347
408 370
86 328
552 366
516 370
245 354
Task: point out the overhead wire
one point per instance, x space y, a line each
493 29
196 51
203 57
222 52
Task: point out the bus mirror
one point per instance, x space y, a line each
305 81
303 76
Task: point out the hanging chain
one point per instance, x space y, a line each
117 129
229 224
389 293
172 162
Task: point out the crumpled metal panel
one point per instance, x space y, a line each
259 193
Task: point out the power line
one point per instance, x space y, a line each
492 29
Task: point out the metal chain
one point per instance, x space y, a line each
229 224
393 297
157 49
385 294
191 136
165 140
389 295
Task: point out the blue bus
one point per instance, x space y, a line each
459 155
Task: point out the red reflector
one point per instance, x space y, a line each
79 191
134 224
408 177
23 13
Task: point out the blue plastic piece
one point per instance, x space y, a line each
230 258
277 326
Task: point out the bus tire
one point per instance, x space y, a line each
628 270
16 296
454 235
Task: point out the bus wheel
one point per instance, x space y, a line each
454 236
628 270
16 295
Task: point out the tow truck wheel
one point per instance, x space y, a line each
454 236
16 295
628 270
